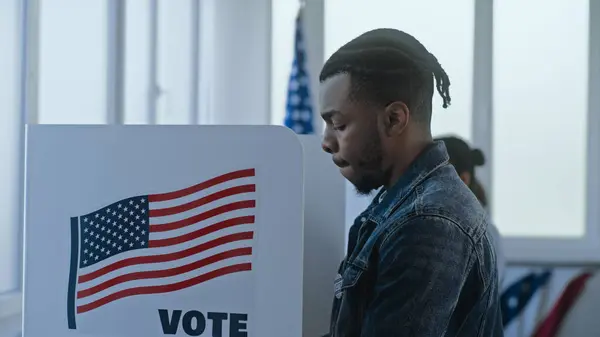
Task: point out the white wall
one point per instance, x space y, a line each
241 59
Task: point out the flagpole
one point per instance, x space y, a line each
74 267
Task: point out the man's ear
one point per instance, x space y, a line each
395 118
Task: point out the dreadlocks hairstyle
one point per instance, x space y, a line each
388 65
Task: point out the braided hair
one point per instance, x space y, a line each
387 65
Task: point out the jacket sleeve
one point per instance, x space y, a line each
422 268
499 249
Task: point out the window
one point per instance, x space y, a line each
428 21
10 122
73 61
539 118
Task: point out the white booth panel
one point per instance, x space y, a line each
164 230
324 232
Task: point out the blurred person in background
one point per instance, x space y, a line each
465 159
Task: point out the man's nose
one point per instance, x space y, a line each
326 148
329 143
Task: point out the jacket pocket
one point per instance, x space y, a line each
351 275
349 310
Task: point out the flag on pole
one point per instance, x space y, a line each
299 112
516 297
551 325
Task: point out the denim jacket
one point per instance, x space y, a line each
420 261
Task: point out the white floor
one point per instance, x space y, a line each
10 326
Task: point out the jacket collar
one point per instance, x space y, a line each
431 158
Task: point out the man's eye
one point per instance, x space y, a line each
339 127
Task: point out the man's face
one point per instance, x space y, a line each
352 135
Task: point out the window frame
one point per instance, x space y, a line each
526 250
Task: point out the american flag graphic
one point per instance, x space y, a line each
160 243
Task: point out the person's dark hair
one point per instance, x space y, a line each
465 159
388 65
479 192
462 156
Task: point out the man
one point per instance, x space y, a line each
419 260
465 159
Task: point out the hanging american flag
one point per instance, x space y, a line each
516 297
161 243
551 325
299 112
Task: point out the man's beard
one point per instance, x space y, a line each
367 184
370 163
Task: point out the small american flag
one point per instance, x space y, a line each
160 243
299 112
515 298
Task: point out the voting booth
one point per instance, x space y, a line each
179 231
163 230
324 233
